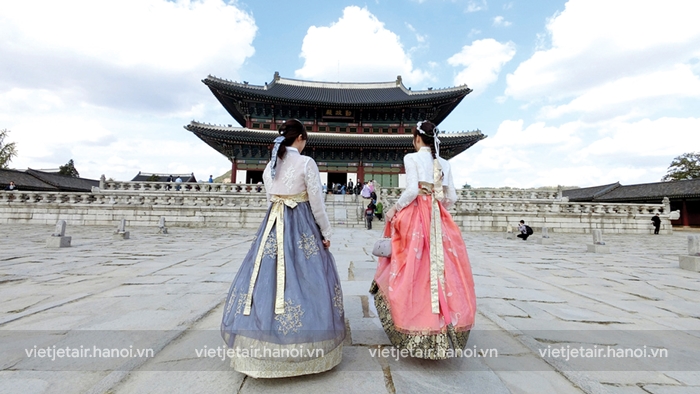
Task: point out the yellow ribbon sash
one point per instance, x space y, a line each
276 216
437 252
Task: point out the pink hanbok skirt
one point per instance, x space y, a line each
402 285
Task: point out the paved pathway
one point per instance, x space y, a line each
165 293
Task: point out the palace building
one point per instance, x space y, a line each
357 131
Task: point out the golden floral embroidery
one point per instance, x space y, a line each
436 346
290 320
229 303
240 303
270 249
338 300
237 298
308 244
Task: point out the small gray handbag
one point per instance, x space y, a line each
382 248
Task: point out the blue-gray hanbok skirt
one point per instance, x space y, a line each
307 337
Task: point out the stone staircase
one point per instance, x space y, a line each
345 210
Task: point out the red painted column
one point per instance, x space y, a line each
233 170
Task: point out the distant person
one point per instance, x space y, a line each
656 221
211 179
369 215
379 210
525 230
366 192
342 189
178 180
11 186
350 187
325 189
169 180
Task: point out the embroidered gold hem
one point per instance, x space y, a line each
258 368
438 346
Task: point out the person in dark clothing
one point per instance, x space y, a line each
369 215
525 230
11 186
656 220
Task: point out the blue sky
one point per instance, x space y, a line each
577 93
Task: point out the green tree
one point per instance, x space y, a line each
7 151
68 169
685 166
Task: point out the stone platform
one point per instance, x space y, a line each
165 293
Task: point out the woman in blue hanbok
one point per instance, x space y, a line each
284 312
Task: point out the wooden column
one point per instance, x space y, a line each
685 220
233 170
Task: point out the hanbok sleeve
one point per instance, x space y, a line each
411 191
267 180
312 178
450 190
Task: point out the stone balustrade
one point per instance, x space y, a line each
244 205
493 194
200 187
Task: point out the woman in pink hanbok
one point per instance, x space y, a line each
424 292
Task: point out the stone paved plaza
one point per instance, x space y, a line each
165 292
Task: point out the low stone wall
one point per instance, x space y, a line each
180 208
496 209
244 206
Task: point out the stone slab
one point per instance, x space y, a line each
544 241
58 242
121 235
690 263
593 248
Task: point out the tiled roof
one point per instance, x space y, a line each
654 191
24 181
146 176
65 182
346 94
588 193
458 142
33 180
636 193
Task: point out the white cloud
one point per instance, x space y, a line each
148 54
482 62
511 133
577 153
664 137
475 6
639 94
595 42
110 84
420 38
500 21
330 52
